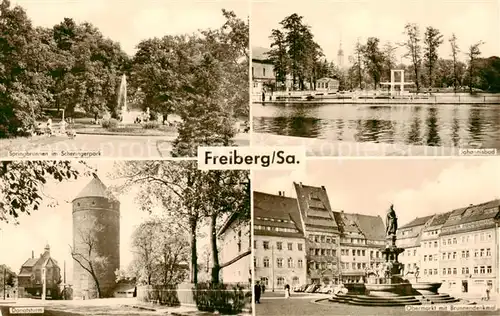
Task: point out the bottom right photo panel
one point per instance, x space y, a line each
377 236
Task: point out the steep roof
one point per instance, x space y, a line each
438 219
315 208
95 188
474 213
418 221
278 212
260 53
30 262
371 226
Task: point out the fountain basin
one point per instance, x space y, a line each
426 288
355 288
389 290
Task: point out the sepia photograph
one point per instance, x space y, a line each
377 78
378 237
112 78
124 238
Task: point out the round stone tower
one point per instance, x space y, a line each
96 226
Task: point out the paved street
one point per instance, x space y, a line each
270 305
108 145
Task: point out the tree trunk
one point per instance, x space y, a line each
215 252
97 286
194 258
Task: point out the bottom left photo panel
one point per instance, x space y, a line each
124 237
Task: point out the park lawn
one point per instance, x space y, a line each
136 130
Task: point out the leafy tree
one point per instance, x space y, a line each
358 50
160 248
389 59
172 186
373 59
432 39
473 54
226 194
454 54
279 56
22 183
414 50
10 276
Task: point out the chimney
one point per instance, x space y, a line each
32 254
323 187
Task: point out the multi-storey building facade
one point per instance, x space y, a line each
362 238
321 231
235 256
408 237
279 243
469 248
430 246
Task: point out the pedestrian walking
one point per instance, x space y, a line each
487 292
287 291
256 292
263 288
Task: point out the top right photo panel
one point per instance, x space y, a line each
377 77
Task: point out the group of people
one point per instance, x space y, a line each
259 289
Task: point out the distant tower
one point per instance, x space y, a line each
340 57
93 207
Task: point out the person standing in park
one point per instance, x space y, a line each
256 292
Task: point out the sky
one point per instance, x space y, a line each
416 187
335 21
130 21
54 225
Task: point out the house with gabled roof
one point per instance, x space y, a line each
279 243
33 273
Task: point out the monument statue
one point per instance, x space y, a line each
391 225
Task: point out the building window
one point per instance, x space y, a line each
265 244
475 270
449 270
316 252
279 262
481 270
488 252
323 238
359 265
322 252
467 253
279 245
264 281
454 241
414 252
454 270
299 246
488 269
299 263
316 238
266 262
295 281
454 255
444 255
255 262
290 246
363 253
264 71
425 258
435 244
290 262
444 271
425 271
255 244
358 252
476 253
328 252
354 266
481 254
430 271
281 281
466 270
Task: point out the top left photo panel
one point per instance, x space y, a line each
122 79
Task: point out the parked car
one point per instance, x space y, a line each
327 289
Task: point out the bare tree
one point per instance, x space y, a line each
85 253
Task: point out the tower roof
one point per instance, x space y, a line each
95 188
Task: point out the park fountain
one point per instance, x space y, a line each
386 286
126 116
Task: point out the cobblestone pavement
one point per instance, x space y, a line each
305 305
